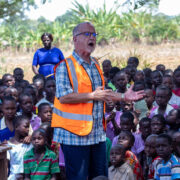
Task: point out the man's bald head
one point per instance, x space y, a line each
76 29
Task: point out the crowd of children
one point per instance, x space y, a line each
143 137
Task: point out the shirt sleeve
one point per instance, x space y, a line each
54 165
63 85
35 59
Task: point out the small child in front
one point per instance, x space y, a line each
119 169
40 162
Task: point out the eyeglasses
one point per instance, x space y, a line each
88 34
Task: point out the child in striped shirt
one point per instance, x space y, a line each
40 162
166 168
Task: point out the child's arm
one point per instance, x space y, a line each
116 127
27 139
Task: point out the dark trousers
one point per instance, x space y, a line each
85 162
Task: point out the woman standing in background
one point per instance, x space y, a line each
46 57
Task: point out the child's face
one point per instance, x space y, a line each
149 98
50 88
124 140
121 81
156 126
18 75
23 128
128 106
109 106
27 104
171 118
176 142
116 157
150 147
131 62
163 148
46 114
126 124
177 77
9 109
139 76
162 97
145 129
168 82
156 78
106 67
9 81
38 141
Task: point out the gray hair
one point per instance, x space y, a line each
77 27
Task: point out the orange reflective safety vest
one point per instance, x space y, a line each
76 118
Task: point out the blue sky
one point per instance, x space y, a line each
56 8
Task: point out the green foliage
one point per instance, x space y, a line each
141 26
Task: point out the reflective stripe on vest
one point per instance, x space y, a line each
80 117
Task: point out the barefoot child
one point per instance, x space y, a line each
40 162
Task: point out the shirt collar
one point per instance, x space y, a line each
80 60
31 152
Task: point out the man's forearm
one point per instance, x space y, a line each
74 98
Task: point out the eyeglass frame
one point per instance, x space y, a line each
89 34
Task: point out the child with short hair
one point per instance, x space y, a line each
151 157
166 168
156 78
161 68
40 162
106 65
173 119
6 123
112 73
45 112
18 74
149 98
162 97
168 81
120 81
8 80
139 76
133 61
2 89
127 140
119 169
158 124
26 104
50 90
15 155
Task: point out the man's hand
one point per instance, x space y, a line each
131 95
101 95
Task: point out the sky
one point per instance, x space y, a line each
54 8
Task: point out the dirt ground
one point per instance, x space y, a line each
149 56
